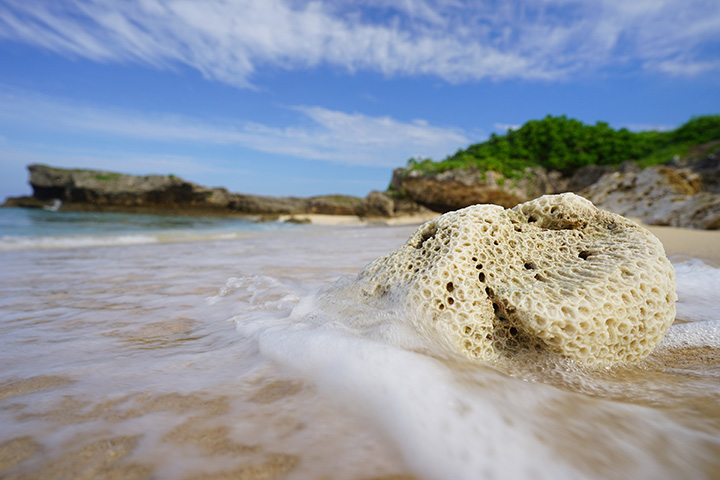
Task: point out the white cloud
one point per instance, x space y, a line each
18 157
684 67
321 134
646 127
457 41
504 127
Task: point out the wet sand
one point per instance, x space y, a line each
703 244
241 428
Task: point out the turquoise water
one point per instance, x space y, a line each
22 228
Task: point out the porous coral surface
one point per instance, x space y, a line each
553 276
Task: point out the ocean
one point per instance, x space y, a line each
139 346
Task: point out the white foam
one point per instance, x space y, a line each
460 420
473 422
443 430
698 289
694 334
72 241
8 243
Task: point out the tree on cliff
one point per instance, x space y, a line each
566 144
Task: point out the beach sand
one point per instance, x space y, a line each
206 414
704 244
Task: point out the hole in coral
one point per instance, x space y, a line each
441 307
474 259
532 219
450 300
496 307
450 287
489 291
539 278
495 242
584 254
429 233
513 331
478 266
530 266
481 277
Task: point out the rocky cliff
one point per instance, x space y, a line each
661 195
450 190
93 190
683 193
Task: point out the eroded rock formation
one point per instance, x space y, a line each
659 195
96 190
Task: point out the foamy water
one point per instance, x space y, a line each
196 356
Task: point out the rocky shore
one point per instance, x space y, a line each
682 193
94 190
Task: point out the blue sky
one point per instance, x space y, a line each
289 97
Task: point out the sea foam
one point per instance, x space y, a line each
456 418
698 289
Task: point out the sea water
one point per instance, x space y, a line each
165 347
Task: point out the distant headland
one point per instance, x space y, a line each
663 178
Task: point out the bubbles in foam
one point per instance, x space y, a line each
698 290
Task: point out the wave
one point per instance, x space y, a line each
50 242
453 418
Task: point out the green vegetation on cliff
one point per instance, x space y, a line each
566 144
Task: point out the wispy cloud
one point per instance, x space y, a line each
504 127
683 67
320 134
19 157
646 127
458 41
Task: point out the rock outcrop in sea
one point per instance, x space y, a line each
660 195
682 193
94 190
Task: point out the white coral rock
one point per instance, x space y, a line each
553 276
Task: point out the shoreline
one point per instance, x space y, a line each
677 241
695 243
355 221
703 244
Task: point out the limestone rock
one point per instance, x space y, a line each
554 276
705 161
109 191
98 189
262 205
446 191
333 205
589 174
377 204
659 195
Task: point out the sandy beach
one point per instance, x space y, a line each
135 361
693 243
703 244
